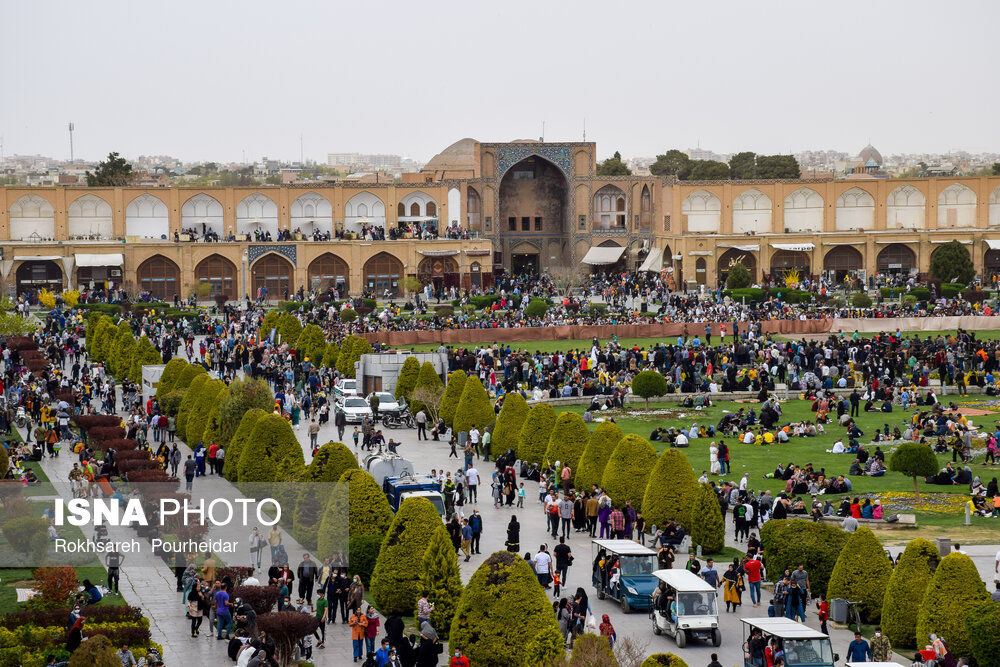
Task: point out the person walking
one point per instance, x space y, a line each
190 468
371 629
564 557
314 435
306 572
175 460
858 650
472 482
754 569
340 421
476 524
565 514
274 541
222 615
881 647
421 419
322 607
466 539
359 624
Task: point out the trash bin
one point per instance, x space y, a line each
944 546
838 611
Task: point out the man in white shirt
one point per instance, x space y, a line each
472 475
543 566
474 440
749 437
838 447
744 481
681 440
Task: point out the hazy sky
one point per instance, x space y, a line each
211 79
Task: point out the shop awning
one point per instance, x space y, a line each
794 247
478 253
653 261
438 253
994 245
36 258
603 255
744 247
843 243
108 259
965 242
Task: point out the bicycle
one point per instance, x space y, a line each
852 607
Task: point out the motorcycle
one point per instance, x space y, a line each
21 418
403 419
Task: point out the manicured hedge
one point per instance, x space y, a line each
981 625
628 470
536 308
452 396
311 344
441 578
474 408
330 463
427 378
191 398
360 499
567 441
243 395
208 399
708 528
955 590
790 542
396 579
509 421
271 442
363 552
502 610
600 445
750 294
533 439
663 660
234 452
170 374
862 573
407 379
187 375
670 491
905 591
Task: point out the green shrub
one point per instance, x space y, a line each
145 355
452 395
601 444
738 277
536 308
546 648
171 403
509 421
708 528
663 660
533 439
123 354
187 375
862 573
502 610
269 322
861 300
396 579
97 651
234 451
647 384
170 374
474 408
407 379
627 472
567 441
330 463
4 459
270 442
243 395
363 552
197 421
791 542
289 306
955 590
311 344
441 578
344 357
289 329
747 294
27 535
594 650
211 432
914 460
359 498
670 491
330 355
905 591
310 504
348 315
981 624
951 290
370 303
191 398
444 311
428 380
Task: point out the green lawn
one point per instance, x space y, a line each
13 578
760 460
549 346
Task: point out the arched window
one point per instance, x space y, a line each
645 209
701 271
219 273
896 258
383 272
432 210
273 273
401 210
160 277
330 272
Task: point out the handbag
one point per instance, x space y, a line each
591 622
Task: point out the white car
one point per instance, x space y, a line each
387 403
346 387
355 409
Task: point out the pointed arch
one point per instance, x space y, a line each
994 212
362 210
273 273
645 209
957 206
896 258
90 218
382 272
257 211
473 210
146 216
418 207
328 271
803 211
752 212
202 213
906 208
843 260
855 210
32 216
219 273
609 208
703 211
312 211
160 277
735 255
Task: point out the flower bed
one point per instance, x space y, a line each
943 503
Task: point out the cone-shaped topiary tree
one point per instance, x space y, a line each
663 660
441 578
330 463
591 649
595 457
474 408
363 552
187 375
502 610
428 386
509 421
289 329
407 379
103 336
546 648
905 591
145 355
344 357
360 500
191 398
955 590
330 355
981 625
197 420
212 420
123 354
670 491
310 504
234 451
270 322
707 525
396 579
627 472
243 395
533 439
567 441
97 651
171 372
270 442
862 573
452 396
311 344
791 542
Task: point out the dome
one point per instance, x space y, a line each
460 156
870 154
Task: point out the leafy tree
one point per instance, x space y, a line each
114 171
862 573
567 441
861 300
407 379
708 170
145 355
269 322
442 579
396 579
791 542
595 457
628 471
914 460
738 277
955 590
533 439
649 383
97 651
672 163
428 392
743 165
330 463
211 432
270 442
452 395
671 490
708 528
191 396
509 421
951 263
905 591
778 166
474 408
286 628
502 610
311 344
981 625
239 440
243 395
613 166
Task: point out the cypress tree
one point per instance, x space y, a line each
191 399
271 442
243 395
627 472
426 379
955 590
441 578
905 591
707 525
474 408
509 422
207 399
407 379
311 344
671 490
170 374
862 573
344 357
396 579
239 440
595 457
567 441
533 439
452 395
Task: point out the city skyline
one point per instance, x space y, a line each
314 73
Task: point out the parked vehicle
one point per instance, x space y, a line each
345 387
355 409
386 464
686 608
398 489
623 571
803 646
387 403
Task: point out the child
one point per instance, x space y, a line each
305 647
521 494
556 582
608 630
357 434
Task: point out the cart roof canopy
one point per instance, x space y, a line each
684 581
785 628
624 547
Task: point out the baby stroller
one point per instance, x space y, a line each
101 534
